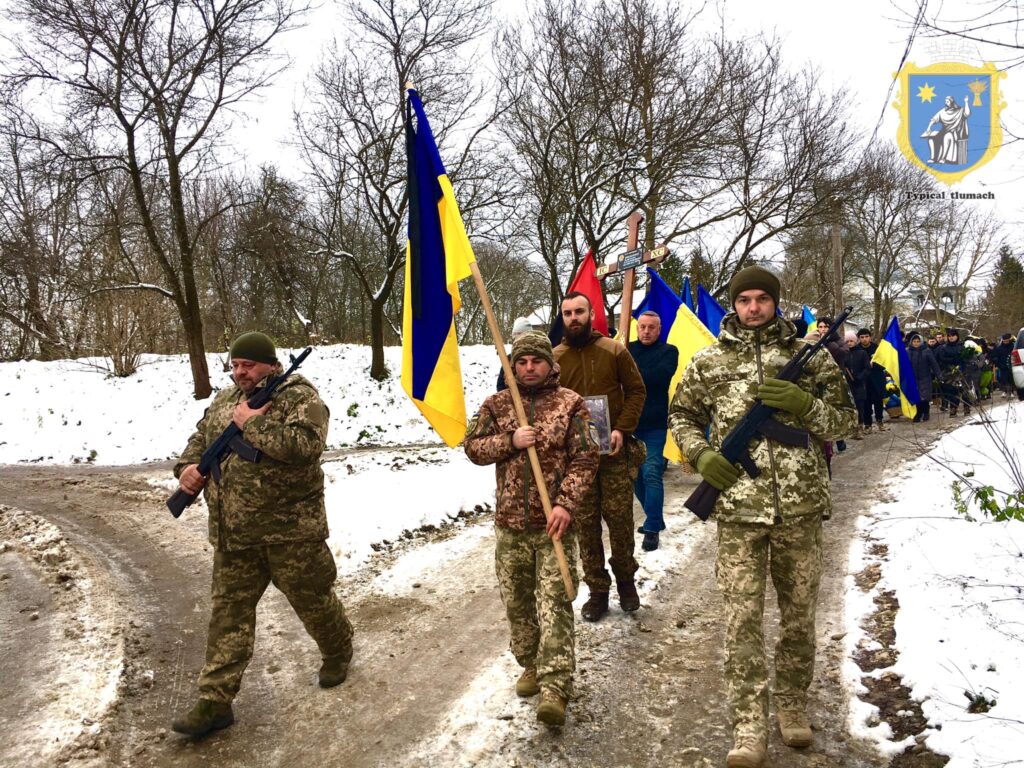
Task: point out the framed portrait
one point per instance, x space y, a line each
598 407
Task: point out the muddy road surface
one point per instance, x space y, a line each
104 600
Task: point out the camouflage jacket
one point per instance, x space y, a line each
604 367
566 447
717 389
282 497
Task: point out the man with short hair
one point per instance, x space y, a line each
840 353
594 365
771 523
267 523
1000 359
657 363
875 383
950 357
539 612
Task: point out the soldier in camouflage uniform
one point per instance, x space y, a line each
771 524
539 612
593 364
267 524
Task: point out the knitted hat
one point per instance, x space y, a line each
752 278
536 344
851 336
254 346
521 325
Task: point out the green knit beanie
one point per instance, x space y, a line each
254 346
753 278
536 344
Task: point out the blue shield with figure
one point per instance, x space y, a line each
949 117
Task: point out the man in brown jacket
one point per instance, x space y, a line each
594 365
539 612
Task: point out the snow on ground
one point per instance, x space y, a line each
960 625
72 411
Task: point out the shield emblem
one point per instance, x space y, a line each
949 117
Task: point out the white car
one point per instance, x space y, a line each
1017 364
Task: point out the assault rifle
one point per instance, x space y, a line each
231 440
759 423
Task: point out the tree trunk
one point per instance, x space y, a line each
378 370
193 325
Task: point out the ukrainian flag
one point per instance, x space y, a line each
689 335
892 355
660 299
808 317
437 256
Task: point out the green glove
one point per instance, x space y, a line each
785 396
717 469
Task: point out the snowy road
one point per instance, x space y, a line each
431 683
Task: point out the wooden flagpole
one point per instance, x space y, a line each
517 400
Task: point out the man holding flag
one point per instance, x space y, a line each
891 355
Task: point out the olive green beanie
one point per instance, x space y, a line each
536 344
254 346
753 278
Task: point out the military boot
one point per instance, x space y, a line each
551 709
526 685
746 753
333 671
205 717
595 607
858 433
793 725
629 600
882 427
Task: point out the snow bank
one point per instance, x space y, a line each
960 625
72 411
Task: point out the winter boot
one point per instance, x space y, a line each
746 753
952 410
629 600
551 709
793 725
205 717
882 427
650 542
595 607
333 671
858 433
526 685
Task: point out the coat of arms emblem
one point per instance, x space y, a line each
949 117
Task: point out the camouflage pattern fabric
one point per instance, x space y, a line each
281 498
304 572
539 615
746 551
610 498
566 446
719 387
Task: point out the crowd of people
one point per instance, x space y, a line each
597 418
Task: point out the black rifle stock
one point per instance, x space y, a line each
758 422
231 440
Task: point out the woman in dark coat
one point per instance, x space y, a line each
925 368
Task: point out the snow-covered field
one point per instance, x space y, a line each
71 411
960 586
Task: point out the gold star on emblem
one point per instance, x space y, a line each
925 93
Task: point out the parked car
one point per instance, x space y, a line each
1017 364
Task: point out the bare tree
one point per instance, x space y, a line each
353 138
143 88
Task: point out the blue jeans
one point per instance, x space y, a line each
650 487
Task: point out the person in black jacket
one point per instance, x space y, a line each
858 368
657 362
922 361
839 351
1000 357
950 357
874 381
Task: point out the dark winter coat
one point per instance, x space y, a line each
925 369
858 363
950 355
657 363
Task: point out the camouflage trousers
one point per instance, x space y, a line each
539 612
610 498
791 551
304 572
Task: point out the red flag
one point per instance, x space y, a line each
586 282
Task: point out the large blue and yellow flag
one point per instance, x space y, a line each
437 256
709 311
688 335
892 355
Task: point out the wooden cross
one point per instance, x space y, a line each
627 264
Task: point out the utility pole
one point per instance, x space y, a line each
837 260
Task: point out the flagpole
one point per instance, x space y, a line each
517 400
